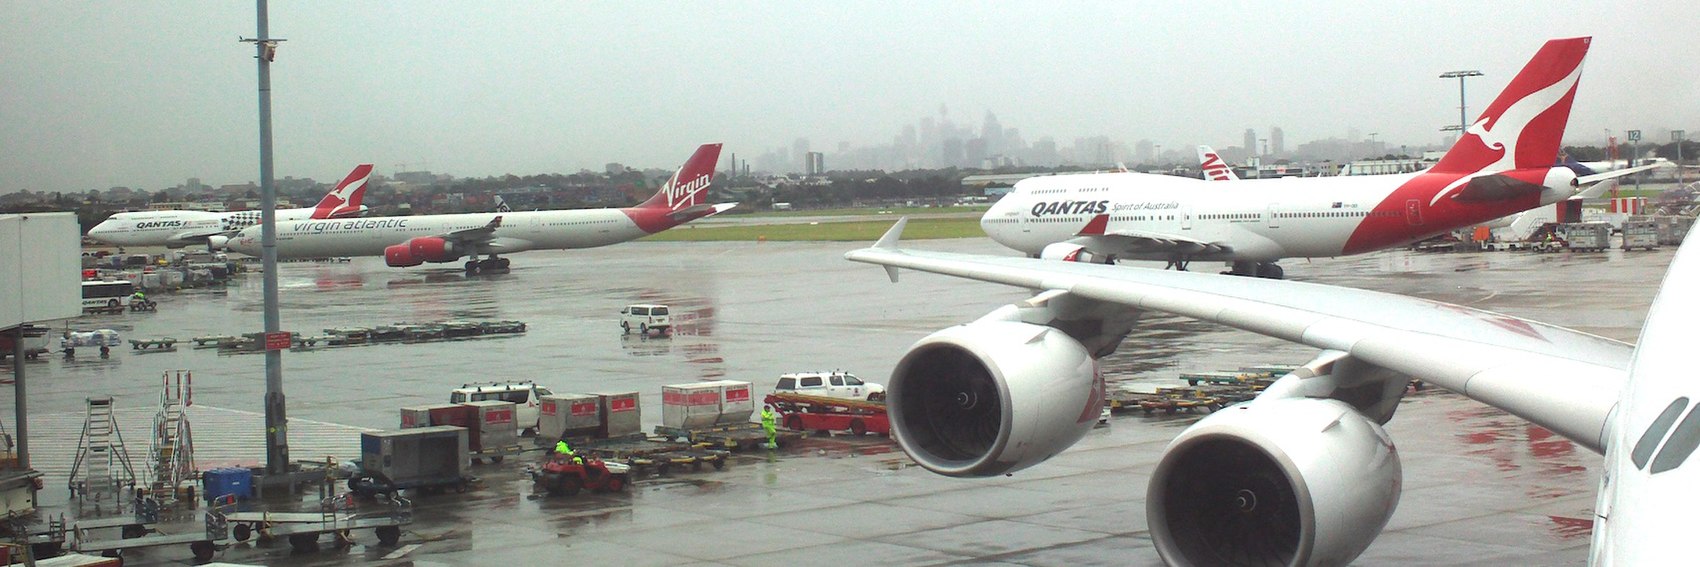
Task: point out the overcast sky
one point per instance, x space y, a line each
149 93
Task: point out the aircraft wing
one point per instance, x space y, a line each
481 238
1616 173
1564 380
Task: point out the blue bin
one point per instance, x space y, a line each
219 482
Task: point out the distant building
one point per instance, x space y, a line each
1250 141
814 163
1277 141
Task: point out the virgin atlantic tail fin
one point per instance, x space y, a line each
344 200
689 185
1213 167
1522 128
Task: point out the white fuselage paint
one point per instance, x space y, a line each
179 228
531 230
1258 219
1644 513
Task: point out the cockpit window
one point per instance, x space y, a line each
1656 432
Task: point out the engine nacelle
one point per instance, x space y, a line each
217 242
1289 481
433 249
400 256
1068 252
992 397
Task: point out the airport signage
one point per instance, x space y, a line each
1634 135
279 340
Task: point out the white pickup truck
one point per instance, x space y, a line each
835 384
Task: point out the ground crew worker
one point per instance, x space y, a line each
769 425
139 296
564 449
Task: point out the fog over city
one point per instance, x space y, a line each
147 94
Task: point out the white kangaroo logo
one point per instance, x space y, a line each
1505 132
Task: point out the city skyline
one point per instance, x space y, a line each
151 93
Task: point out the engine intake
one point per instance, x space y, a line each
1291 481
993 397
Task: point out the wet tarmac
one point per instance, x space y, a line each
1480 487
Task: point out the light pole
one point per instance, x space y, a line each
1463 120
277 431
1677 136
1372 146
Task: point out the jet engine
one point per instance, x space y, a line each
1284 481
992 397
399 256
1069 252
216 242
433 249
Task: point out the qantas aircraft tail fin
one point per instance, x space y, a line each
1522 128
689 185
344 200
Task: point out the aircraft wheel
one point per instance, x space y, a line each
1273 271
502 263
471 267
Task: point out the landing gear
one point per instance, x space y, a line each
492 265
1179 263
1268 270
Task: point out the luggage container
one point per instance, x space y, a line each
568 415
494 422
234 481
422 457
736 404
420 416
689 406
1640 232
619 414
1593 236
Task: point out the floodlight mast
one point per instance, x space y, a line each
1463 119
277 421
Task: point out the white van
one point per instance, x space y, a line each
835 384
524 396
644 319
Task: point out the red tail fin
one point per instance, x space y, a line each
344 200
689 185
1523 127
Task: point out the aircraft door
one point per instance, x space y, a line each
1186 218
1274 213
1414 212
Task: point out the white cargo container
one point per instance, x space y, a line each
496 425
572 415
619 414
736 402
690 406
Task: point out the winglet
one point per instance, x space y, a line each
889 242
892 235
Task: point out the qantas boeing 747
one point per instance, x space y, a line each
183 228
415 240
1503 164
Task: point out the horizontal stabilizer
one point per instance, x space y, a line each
1598 177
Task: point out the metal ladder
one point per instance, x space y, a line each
173 449
103 465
